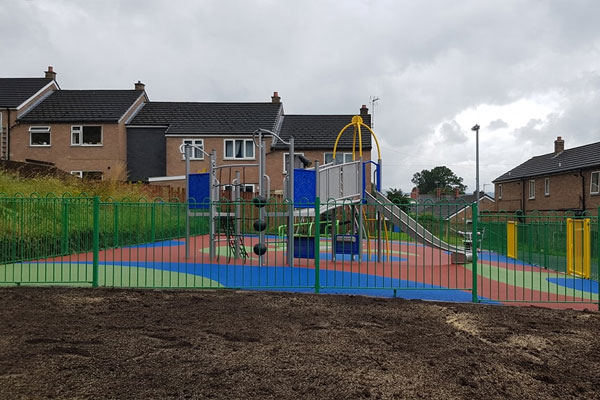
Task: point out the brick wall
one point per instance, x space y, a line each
567 192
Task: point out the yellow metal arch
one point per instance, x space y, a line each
357 123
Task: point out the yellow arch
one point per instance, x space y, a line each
357 122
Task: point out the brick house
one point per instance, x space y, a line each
158 130
17 96
564 180
79 131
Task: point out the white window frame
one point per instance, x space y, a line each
79 174
531 192
597 191
344 156
246 185
48 129
81 143
243 147
285 161
547 187
499 191
195 142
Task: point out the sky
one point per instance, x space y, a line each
525 71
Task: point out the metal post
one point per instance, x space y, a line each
290 193
213 198
261 188
474 248
317 245
65 224
236 199
95 240
476 129
187 202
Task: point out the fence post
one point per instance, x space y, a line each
317 244
597 276
153 222
96 240
474 248
116 224
65 224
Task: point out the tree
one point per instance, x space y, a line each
439 177
402 200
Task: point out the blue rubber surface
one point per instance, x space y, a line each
584 285
302 280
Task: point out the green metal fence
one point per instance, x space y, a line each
357 248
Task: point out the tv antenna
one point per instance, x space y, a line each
373 102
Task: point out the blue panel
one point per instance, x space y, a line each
199 196
304 247
305 184
346 244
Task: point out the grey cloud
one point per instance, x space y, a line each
497 124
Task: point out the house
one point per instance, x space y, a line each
17 96
564 180
79 131
156 133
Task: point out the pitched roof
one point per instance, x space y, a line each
209 118
14 91
83 106
578 157
320 131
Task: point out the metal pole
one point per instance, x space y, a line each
261 188
187 203
290 193
476 129
213 198
237 196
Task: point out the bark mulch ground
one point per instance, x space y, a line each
70 343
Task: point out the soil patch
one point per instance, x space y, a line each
74 343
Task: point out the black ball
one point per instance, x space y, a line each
260 249
259 201
260 225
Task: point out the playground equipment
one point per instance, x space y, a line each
343 186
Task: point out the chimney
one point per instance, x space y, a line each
456 193
559 145
139 85
415 193
275 98
50 74
364 111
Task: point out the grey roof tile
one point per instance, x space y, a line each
586 156
83 106
14 91
320 131
209 118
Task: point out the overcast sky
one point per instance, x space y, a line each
525 71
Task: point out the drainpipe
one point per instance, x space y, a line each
8 136
523 205
582 189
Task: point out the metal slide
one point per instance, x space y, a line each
416 231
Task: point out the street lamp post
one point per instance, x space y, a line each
476 129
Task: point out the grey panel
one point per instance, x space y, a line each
146 153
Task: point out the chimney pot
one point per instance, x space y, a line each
50 74
275 98
559 145
139 85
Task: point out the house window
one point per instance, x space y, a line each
86 135
39 136
196 153
286 157
239 149
532 189
339 158
500 192
90 175
595 183
245 188
547 187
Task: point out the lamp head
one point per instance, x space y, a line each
475 128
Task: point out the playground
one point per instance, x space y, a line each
355 242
